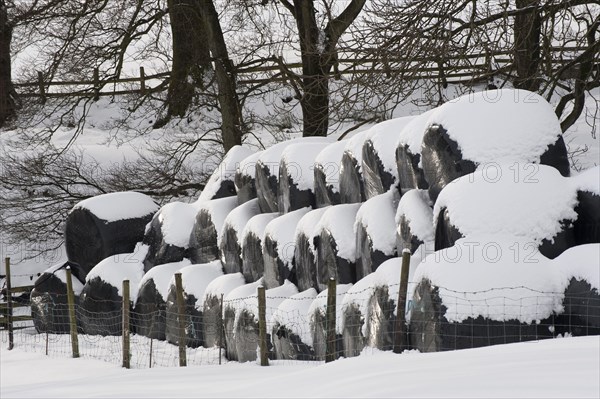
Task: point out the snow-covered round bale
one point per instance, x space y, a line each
194 280
168 234
49 306
327 174
579 273
352 188
336 245
205 237
267 171
494 126
317 319
278 248
531 201
211 306
230 248
297 176
253 265
241 317
409 160
149 312
379 168
369 308
483 291
375 231
305 252
105 225
291 335
221 183
245 178
587 225
414 221
101 299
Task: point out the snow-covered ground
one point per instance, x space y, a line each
568 367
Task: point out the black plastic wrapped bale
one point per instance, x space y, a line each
296 176
278 248
317 319
491 127
290 333
211 306
230 248
379 169
205 238
267 171
105 225
352 187
168 234
245 178
253 265
305 252
541 210
49 306
587 225
101 300
327 174
580 276
481 292
221 183
336 245
414 221
241 318
375 231
195 279
149 312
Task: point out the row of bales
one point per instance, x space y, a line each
505 244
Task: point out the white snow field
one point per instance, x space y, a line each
558 368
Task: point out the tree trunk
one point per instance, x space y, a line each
191 55
231 114
527 31
7 94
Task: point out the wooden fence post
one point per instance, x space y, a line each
401 333
181 318
125 328
96 84
330 348
142 81
42 87
72 317
9 310
262 326
221 329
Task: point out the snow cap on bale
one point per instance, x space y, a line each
338 220
297 176
230 247
253 265
108 224
539 207
279 246
195 279
221 182
267 171
161 276
327 174
222 285
292 314
414 221
581 263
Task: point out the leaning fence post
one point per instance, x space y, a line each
142 81
401 334
9 310
72 319
330 323
125 328
262 326
181 319
96 84
42 87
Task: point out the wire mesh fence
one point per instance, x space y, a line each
297 328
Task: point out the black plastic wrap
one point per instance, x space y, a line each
430 331
325 194
408 240
266 188
193 319
289 346
88 239
352 188
368 258
276 270
246 336
100 308
410 175
329 264
228 332
376 179
211 326
581 314
245 186
160 252
289 196
49 306
587 225
253 266
318 331
305 263
221 183
149 317
230 248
